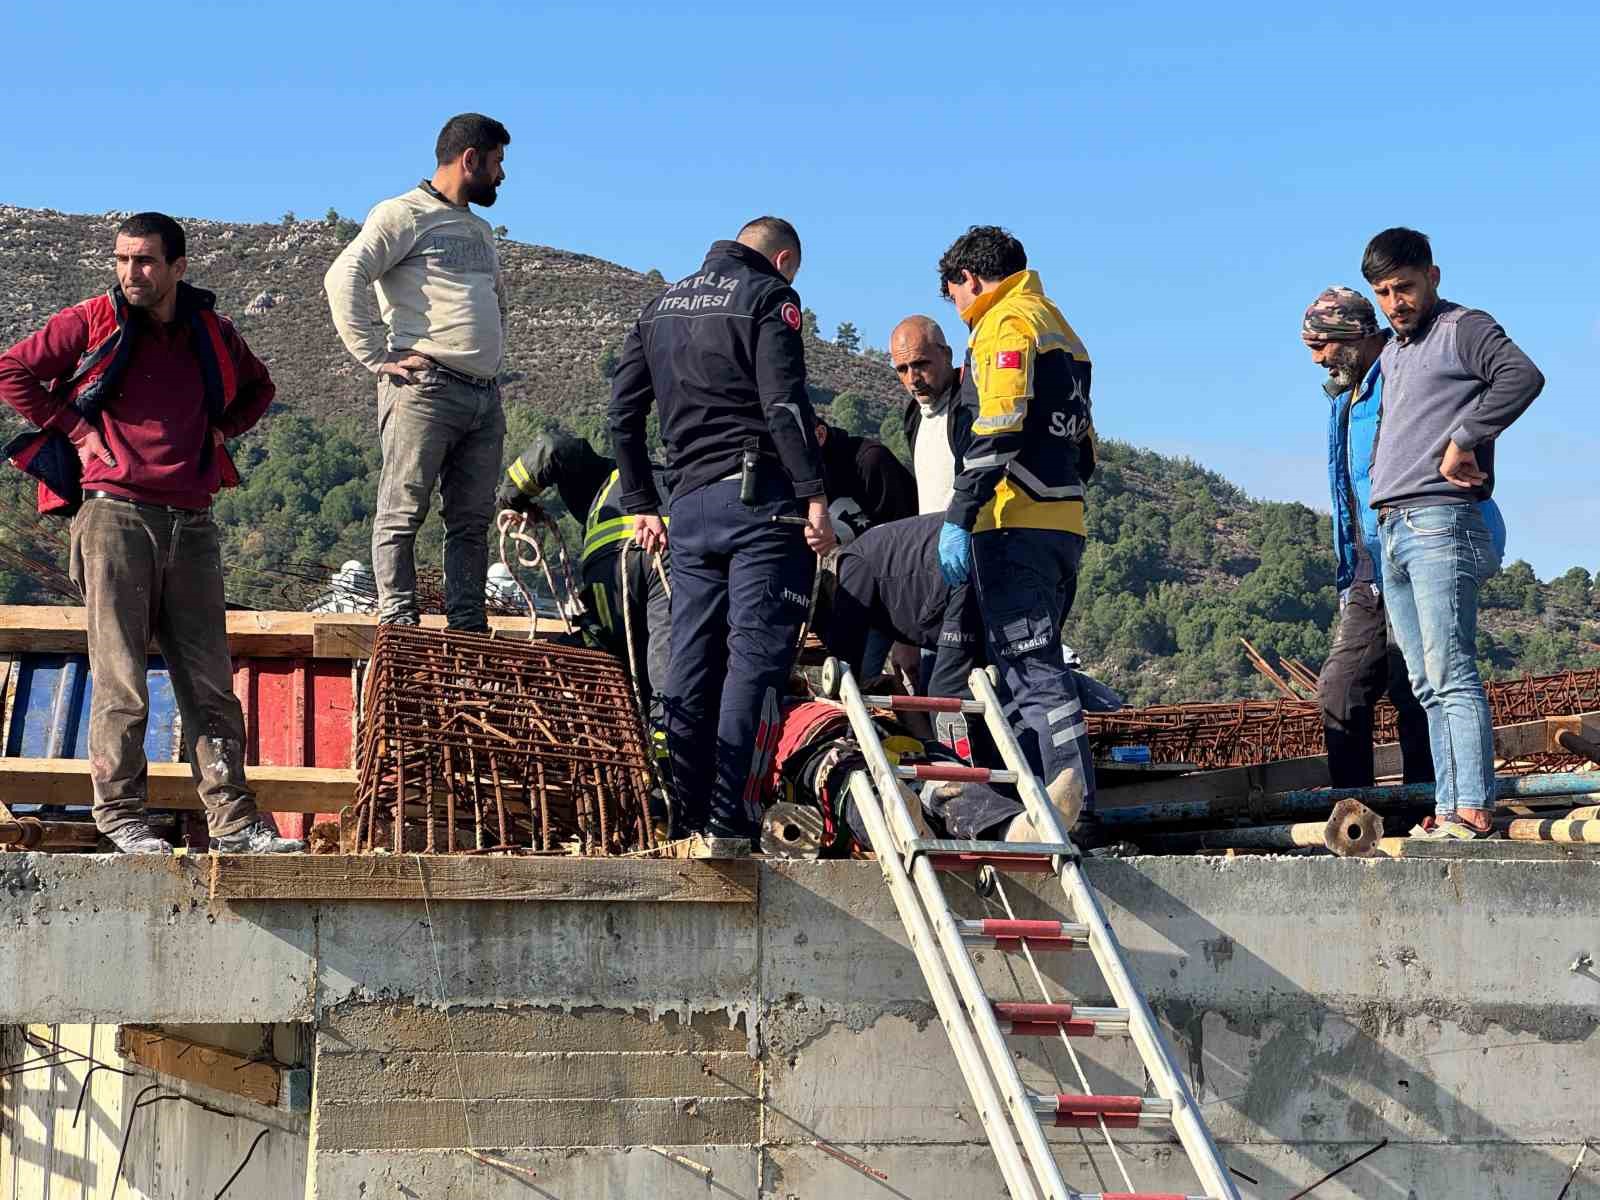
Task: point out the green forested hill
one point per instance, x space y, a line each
1180 565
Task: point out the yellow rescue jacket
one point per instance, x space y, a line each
1023 427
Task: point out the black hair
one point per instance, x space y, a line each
773 234
153 224
988 251
469 131
1395 250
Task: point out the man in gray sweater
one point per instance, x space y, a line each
1452 383
436 352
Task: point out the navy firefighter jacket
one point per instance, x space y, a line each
720 355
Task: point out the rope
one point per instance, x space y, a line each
633 665
514 525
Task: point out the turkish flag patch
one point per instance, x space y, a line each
790 313
1008 360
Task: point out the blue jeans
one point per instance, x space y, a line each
741 587
1434 558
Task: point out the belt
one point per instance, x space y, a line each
1385 513
459 376
92 494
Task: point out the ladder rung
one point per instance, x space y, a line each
1022 864
1137 1196
924 704
1118 1112
952 773
1010 936
948 854
1046 1020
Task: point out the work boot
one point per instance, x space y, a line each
259 837
1065 794
137 838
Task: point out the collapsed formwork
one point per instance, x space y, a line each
474 743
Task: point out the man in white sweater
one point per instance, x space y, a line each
922 359
435 344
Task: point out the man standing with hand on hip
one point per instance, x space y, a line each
146 382
1452 383
720 353
436 354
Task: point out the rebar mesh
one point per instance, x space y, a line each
472 743
1242 732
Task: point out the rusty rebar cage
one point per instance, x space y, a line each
471 744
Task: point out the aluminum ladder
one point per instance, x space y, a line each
976 1024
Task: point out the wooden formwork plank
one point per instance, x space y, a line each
171 785
62 629
211 1066
473 877
1483 851
350 635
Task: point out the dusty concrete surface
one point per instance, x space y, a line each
1317 1005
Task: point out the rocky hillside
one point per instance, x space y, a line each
1181 564
566 310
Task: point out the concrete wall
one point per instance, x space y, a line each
787 1049
54 1147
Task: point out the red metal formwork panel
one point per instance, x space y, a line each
298 712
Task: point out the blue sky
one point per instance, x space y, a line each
1186 177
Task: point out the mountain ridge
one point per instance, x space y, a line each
1180 565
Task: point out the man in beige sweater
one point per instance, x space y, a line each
435 344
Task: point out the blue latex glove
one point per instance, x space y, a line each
955 554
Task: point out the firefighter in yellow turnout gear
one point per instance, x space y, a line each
614 574
1024 439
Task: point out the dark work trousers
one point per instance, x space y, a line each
144 571
1027 579
1364 663
447 429
741 586
648 617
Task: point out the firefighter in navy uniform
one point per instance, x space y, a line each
720 354
1015 522
625 591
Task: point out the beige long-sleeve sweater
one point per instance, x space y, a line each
437 276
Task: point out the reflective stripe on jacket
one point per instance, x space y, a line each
607 524
1027 431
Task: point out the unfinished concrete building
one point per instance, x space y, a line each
485 1025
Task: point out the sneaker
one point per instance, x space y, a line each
707 845
137 838
259 837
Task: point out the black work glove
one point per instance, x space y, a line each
512 497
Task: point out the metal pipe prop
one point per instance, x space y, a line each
1351 831
1306 800
30 833
1572 833
1578 744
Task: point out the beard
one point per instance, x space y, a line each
1345 370
482 192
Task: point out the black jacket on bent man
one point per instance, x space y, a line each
720 355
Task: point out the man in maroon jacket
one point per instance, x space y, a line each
134 392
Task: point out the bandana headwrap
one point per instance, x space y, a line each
1340 314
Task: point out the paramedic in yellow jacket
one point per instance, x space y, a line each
1025 446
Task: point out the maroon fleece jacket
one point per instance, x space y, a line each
155 422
